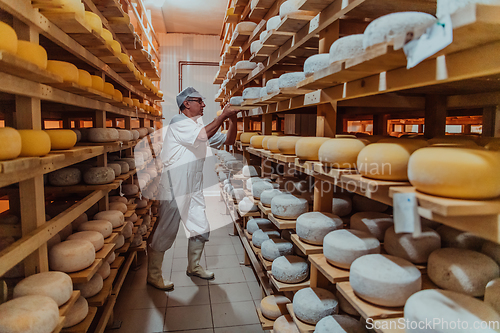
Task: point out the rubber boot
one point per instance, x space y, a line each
195 249
155 278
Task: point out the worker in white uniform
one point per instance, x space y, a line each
186 144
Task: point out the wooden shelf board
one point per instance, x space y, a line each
247 235
281 223
332 273
303 327
12 64
305 248
82 188
140 248
280 286
267 324
118 262
294 22
305 166
265 263
68 22
19 164
105 252
265 210
285 158
60 325
63 309
333 173
86 274
84 326
255 249
111 239
247 214
107 312
314 5
100 299
371 188
123 249
273 40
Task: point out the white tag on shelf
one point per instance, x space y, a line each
436 38
406 218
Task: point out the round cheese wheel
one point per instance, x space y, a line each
261 235
109 88
246 205
249 171
116 168
341 204
97 83
34 143
342 247
94 21
12 136
65 177
99 176
266 139
245 26
435 171
285 324
107 35
120 240
9 38
308 148
103 226
127 231
364 204
274 306
103 135
135 133
111 258
373 223
32 52
66 70
288 206
141 203
310 305
256 224
451 237
273 86
267 196
345 306
290 80
116 47
263 35
340 324
105 270
125 135
272 144
314 226
56 285
315 63
130 189
461 270
251 93
413 249
384 280
448 7
90 288
84 79
340 153
29 314
71 256
274 248
245 64
120 206
291 7
449 307
79 220
124 166
290 269
492 250
77 313
236 100
114 216
273 23
255 47
260 187
95 237
385 28
246 136
346 48
133 218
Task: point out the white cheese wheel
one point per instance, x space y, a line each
130 189
105 270
289 7
77 313
56 285
451 237
142 132
286 144
492 294
288 206
103 226
449 307
273 23
245 27
314 226
127 230
120 206
290 80
285 324
448 7
249 171
102 134
246 205
345 306
261 235
341 204
254 48
273 86
385 28
414 249
263 93
346 48
373 223
124 166
363 204
95 237
310 305
260 187
384 280
274 248
120 240
244 64
255 224
90 288
461 270
125 135
11 135
114 216
340 153
267 196
263 36
251 93
71 256
308 148
435 171
342 247
136 134
29 314
274 306
111 258
339 324
492 250
116 168
290 269
315 63
65 177
99 176
246 136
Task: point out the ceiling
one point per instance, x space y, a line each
203 17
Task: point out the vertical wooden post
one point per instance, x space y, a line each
380 124
326 122
141 122
435 116
491 121
267 124
328 36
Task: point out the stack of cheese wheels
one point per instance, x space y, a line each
12 136
33 313
451 237
267 196
66 70
315 63
56 285
310 305
288 206
246 137
99 176
114 216
340 153
259 223
95 237
308 148
77 313
363 204
103 226
435 171
32 53
286 144
314 226
414 249
342 247
341 204
285 324
90 288
274 306
373 223
261 235
71 256
461 270
274 248
346 48
290 80
384 280
449 307
339 323
34 143
9 40
448 7
65 177
256 141
290 269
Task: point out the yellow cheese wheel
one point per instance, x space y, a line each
118 95
453 141
386 161
136 102
84 78
61 138
272 144
278 134
456 172
246 136
109 88
12 143
94 21
128 101
117 48
340 153
32 52
107 35
307 148
131 67
286 144
493 145
256 141
419 142
66 70
97 83
265 141
124 58
34 143
8 42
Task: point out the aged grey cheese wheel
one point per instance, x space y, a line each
90 288
114 216
259 236
95 237
99 176
414 249
288 206
341 204
77 313
274 306
260 187
313 304
249 171
364 204
461 270
274 248
133 218
125 135
56 285
102 134
372 222
65 177
342 247
285 324
451 237
142 132
130 161
267 196
130 189
247 205
120 241
345 306
314 226
111 258
71 256
384 280
339 324
290 80
259 223
492 250
273 86
315 63
29 314
124 166
290 269
236 100
346 48
449 307
251 93
116 168
273 23
103 226
245 64
105 270
127 230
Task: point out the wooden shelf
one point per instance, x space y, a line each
86 274
306 248
118 262
247 214
12 64
332 273
280 286
303 327
282 224
100 299
105 252
371 188
111 239
333 173
84 326
123 274
265 210
266 323
63 309
140 248
123 249
265 263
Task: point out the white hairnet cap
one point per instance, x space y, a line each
188 92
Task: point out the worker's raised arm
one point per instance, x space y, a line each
231 133
213 127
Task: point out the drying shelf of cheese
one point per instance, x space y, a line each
305 248
281 286
331 273
84 326
282 224
102 296
111 239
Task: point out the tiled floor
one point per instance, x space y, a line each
223 305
